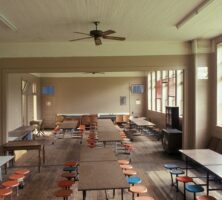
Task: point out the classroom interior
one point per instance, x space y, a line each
170 58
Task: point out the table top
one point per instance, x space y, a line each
142 122
69 124
20 131
204 157
215 169
23 143
97 154
5 159
101 176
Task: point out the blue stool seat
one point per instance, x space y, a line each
134 180
176 171
69 169
194 188
170 166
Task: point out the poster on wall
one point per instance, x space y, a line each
122 100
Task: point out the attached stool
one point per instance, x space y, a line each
132 180
69 176
194 189
66 184
144 198
123 162
138 189
11 185
71 164
19 178
65 194
5 193
175 172
69 169
184 180
205 197
170 166
126 166
22 171
129 172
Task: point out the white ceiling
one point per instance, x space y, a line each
137 20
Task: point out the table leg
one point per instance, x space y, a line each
114 193
0 174
39 159
186 166
43 153
208 182
121 194
84 194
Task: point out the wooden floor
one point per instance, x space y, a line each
148 159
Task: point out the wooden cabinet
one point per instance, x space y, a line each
172 117
172 140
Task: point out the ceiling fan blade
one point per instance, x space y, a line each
108 32
82 33
98 41
80 39
114 38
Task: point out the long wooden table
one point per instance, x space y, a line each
3 161
26 145
105 175
209 160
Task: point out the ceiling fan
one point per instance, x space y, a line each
98 34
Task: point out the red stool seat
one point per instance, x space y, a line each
184 179
65 184
71 164
10 184
22 171
17 177
63 193
205 197
144 198
5 192
69 175
123 162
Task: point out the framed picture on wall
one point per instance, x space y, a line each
122 100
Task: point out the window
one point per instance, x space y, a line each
165 88
219 85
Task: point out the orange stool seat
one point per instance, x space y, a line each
138 189
71 164
5 192
65 184
129 172
91 145
144 198
184 179
205 197
123 162
69 175
17 177
22 171
126 166
10 184
63 193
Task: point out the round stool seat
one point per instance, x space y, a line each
205 197
194 188
22 171
5 192
65 184
71 164
69 175
63 193
126 140
17 177
144 198
10 184
126 166
69 169
170 166
129 172
134 180
123 162
139 189
176 171
91 145
184 179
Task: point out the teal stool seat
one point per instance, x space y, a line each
170 166
194 189
70 169
134 180
177 171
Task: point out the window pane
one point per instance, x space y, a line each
153 91
149 92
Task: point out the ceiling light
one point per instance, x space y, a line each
194 12
8 23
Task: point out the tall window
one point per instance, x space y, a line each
165 88
219 85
